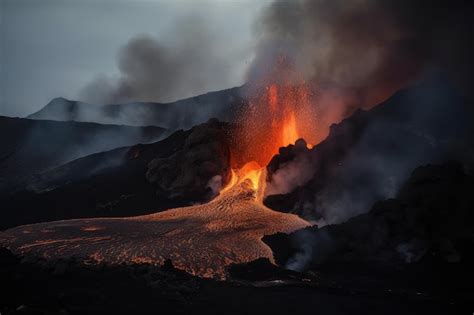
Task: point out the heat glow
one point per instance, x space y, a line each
281 111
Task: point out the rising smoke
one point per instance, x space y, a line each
353 53
192 62
356 54
369 48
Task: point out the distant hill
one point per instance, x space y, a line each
182 114
32 146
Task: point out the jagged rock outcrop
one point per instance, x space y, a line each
115 183
205 156
317 165
368 156
431 219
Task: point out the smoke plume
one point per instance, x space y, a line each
192 62
295 172
367 49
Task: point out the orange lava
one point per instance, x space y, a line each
290 132
202 240
280 113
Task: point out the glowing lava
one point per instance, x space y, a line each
279 113
290 132
202 239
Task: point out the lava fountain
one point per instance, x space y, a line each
278 114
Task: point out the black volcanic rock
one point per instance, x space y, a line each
324 159
260 270
430 220
286 155
369 155
33 286
114 183
204 155
31 146
182 114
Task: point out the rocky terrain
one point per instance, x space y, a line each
368 156
424 236
38 287
33 146
125 181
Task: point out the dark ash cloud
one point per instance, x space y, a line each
370 47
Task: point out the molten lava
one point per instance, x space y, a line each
279 113
290 132
202 239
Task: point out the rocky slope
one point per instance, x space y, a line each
182 114
126 181
31 146
369 155
430 221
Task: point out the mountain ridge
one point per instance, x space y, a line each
180 114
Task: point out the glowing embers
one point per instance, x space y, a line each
277 116
252 171
290 132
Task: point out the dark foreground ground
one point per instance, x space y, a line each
67 287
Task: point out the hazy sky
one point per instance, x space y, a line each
53 48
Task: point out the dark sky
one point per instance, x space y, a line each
53 48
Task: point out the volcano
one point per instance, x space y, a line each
204 199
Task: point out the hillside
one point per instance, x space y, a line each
182 114
33 146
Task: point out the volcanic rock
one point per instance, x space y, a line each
33 146
321 161
182 114
146 289
431 218
368 156
259 270
114 183
187 172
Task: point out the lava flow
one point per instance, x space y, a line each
201 239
